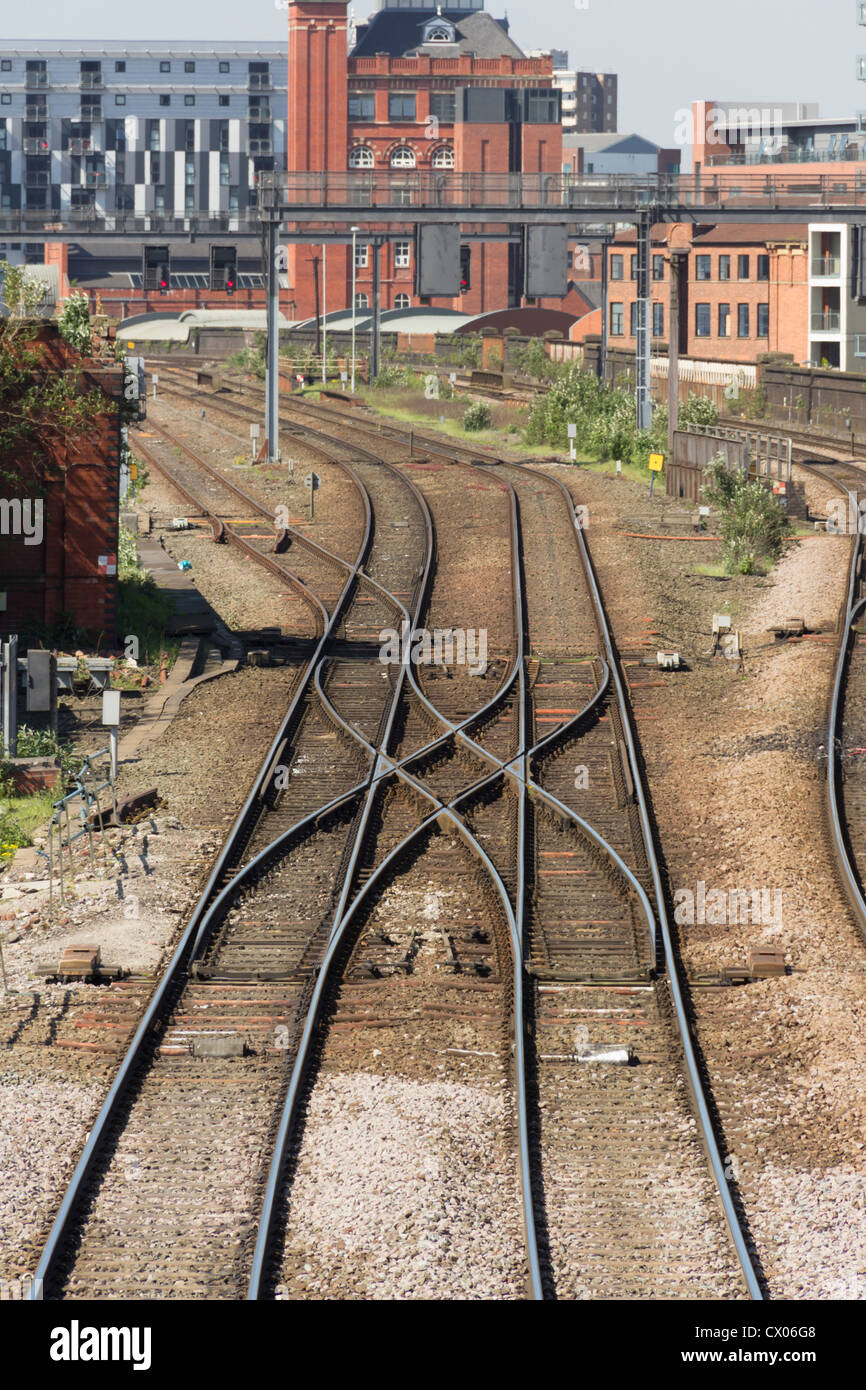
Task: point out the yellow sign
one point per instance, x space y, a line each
133 471
656 462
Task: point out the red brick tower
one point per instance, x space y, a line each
317 138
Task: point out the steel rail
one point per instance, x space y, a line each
52 1251
854 606
695 1082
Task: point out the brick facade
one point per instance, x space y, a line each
758 275
74 570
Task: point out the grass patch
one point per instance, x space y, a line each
635 472
20 816
711 571
143 609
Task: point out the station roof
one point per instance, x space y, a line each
418 320
176 328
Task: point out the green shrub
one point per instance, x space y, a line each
754 527
699 410
477 416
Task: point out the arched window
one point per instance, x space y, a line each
443 157
361 301
402 301
438 33
403 158
361 157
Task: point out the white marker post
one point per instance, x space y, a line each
254 436
154 379
111 721
572 435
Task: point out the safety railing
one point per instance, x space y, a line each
87 807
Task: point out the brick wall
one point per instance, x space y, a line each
74 569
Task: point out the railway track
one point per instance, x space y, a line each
327 920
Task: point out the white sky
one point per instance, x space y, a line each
667 53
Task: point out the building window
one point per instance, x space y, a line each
361 301
120 65
702 320
401 106
361 157
165 100
189 200
120 99
634 267
402 301
742 320
442 106
225 67
361 255
724 320
224 101
616 320
159 200
6 65
5 98
616 266
189 101
443 158
742 267
189 172
658 320
763 267
658 267
702 267
403 157
633 319
234 198
165 67
225 175
189 67
362 106
223 136
763 320
724 267
402 253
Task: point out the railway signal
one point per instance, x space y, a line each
311 482
155 268
465 269
223 268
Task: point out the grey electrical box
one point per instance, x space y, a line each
437 259
41 682
546 262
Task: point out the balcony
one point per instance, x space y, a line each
259 82
37 179
35 113
256 147
35 81
81 144
828 322
90 113
825 267
91 81
34 144
259 113
94 180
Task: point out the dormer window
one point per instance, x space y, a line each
438 32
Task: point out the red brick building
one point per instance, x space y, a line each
743 290
67 565
413 95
